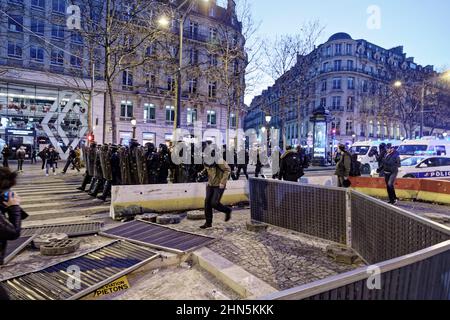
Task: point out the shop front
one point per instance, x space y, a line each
37 116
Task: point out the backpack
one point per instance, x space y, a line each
294 164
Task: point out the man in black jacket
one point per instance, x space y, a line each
390 165
11 215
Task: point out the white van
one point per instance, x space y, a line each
363 150
424 147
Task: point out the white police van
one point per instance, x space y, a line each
365 155
423 167
424 147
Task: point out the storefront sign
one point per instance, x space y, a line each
19 132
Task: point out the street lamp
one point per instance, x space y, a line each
164 22
134 123
268 120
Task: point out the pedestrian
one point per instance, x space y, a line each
70 159
76 163
164 164
11 216
51 157
20 155
6 153
42 156
291 166
389 167
152 163
343 167
242 163
258 165
355 167
218 175
33 157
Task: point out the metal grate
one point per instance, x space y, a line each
316 211
97 269
159 237
72 230
382 232
13 248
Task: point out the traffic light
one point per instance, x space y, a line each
334 132
90 137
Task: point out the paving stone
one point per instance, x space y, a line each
44 239
166 219
60 247
149 217
196 215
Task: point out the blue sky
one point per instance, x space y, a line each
421 26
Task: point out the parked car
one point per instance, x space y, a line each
424 167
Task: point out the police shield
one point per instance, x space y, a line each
141 165
124 165
105 162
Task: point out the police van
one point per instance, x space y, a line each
423 167
424 147
367 156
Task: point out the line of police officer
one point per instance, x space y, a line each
109 165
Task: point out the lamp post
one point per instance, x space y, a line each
134 123
163 21
268 119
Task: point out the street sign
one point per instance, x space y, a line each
19 132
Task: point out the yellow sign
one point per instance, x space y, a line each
114 287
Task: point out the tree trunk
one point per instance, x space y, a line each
113 112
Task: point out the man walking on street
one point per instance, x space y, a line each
42 156
51 157
20 155
33 157
343 166
218 175
390 165
70 160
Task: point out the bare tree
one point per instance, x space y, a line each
281 53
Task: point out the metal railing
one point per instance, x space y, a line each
313 210
412 253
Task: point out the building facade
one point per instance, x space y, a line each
353 79
46 69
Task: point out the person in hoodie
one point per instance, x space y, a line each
291 166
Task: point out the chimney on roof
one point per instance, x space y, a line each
231 6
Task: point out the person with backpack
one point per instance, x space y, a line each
42 156
51 157
291 166
355 167
343 167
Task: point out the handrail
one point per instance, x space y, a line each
334 282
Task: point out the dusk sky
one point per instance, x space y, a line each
422 27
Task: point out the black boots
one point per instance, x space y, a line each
106 191
97 186
87 179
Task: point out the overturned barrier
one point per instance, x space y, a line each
171 197
313 210
437 191
412 254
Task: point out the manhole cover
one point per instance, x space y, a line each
60 247
44 239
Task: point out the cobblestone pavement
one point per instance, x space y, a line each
282 258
